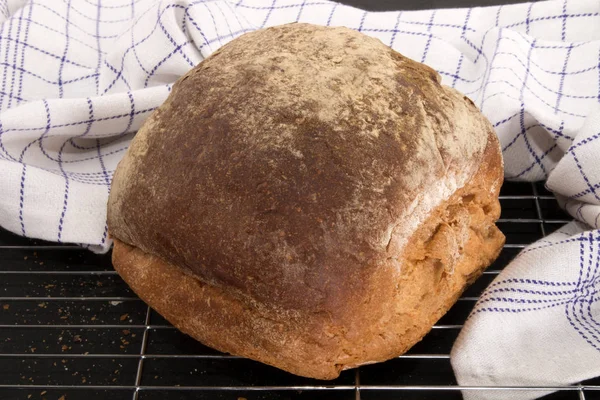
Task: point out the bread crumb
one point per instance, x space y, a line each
43 393
6 306
123 317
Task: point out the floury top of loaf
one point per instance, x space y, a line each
309 198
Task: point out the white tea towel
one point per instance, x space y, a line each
538 323
78 77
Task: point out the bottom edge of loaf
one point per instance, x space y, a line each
221 320
293 342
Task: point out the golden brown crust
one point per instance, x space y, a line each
308 198
219 319
398 314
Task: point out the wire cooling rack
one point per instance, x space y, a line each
70 328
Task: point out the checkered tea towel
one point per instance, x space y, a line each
78 78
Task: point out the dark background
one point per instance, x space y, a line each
388 5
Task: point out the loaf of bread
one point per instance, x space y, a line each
308 198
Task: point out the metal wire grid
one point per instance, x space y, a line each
67 320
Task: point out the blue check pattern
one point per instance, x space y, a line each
575 293
79 77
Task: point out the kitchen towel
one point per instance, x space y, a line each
78 77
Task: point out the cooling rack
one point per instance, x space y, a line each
70 328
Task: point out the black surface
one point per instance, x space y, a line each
69 371
33 258
592 394
60 312
551 210
408 371
64 285
386 5
518 208
410 395
448 395
520 233
250 395
516 189
438 341
66 394
229 372
67 341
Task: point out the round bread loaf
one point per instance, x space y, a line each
309 198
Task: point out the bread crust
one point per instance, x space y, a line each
314 225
